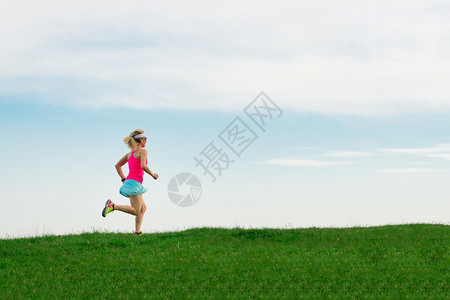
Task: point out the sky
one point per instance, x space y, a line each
359 136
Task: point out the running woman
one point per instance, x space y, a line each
132 184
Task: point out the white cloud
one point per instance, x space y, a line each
301 147
444 156
427 150
420 163
349 154
304 163
438 151
353 57
409 171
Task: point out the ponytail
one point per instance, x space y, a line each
130 141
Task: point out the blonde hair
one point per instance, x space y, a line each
131 142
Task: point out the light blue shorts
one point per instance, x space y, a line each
132 188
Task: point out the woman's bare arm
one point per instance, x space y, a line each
119 165
144 165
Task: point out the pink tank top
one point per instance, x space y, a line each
136 172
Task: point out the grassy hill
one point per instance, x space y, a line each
389 261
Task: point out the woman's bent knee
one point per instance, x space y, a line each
137 212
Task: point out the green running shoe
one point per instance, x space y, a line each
109 207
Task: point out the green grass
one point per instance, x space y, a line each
390 261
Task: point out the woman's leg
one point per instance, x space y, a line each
137 209
126 208
141 211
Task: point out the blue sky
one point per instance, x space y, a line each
363 138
